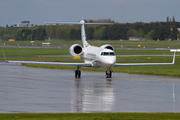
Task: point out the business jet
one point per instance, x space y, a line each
95 57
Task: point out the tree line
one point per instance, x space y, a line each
22 34
154 30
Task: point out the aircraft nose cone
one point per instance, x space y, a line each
110 62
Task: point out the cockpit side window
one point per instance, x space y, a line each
112 53
108 54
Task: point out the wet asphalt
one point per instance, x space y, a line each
35 90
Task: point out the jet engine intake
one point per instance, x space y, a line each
107 46
75 50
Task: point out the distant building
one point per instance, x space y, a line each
9 26
23 24
178 29
136 38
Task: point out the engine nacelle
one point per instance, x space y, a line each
75 50
107 46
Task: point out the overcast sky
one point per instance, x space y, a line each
121 11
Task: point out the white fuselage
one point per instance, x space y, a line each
99 57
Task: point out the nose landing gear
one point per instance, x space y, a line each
108 73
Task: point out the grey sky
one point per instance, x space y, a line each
121 11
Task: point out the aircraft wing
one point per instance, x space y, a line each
53 63
144 64
48 63
141 64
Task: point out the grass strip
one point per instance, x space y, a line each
34 51
91 116
124 43
65 51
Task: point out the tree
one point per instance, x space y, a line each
7 36
100 33
75 34
140 33
132 32
90 32
174 33
154 33
160 32
51 30
167 19
173 20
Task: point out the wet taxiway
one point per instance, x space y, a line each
35 90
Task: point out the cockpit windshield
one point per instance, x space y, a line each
108 53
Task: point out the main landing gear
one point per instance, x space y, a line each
77 73
108 73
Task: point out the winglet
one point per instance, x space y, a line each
4 56
174 58
174 50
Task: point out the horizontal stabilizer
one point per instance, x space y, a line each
78 23
69 23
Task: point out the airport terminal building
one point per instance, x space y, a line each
23 24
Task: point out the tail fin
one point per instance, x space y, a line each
83 32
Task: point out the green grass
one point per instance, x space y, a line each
65 51
91 116
124 43
60 42
34 51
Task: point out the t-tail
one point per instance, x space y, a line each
83 34
83 31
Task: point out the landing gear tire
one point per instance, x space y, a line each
77 74
108 74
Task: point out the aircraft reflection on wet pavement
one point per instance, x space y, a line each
94 97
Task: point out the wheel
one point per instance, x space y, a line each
77 74
108 75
